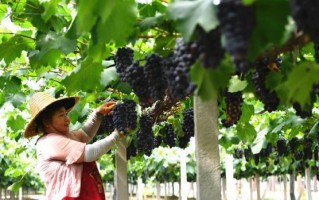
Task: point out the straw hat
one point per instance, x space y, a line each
38 103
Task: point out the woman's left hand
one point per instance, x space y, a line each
106 108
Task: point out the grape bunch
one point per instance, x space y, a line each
107 125
188 127
131 150
169 138
135 76
305 13
282 146
123 58
145 138
154 74
265 95
125 116
209 47
233 108
307 148
237 22
238 153
177 67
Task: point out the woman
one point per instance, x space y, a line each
65 160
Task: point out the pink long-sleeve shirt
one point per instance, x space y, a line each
56 165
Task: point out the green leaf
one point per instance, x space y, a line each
16 186
86 77
16 123
259 141
12 49
246 132
247 112
236 84
50 8
300 81
189 14
53 40
3 10
208 81
118 25
271 26
87 14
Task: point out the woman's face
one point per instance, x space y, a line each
60 122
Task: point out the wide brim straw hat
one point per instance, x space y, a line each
38 103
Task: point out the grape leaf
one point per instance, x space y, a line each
271 26
246 132
12 49
209 81
118 25
50 8
189 14
85 77
300 81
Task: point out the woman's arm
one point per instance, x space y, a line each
93 151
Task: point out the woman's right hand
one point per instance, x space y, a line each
106 108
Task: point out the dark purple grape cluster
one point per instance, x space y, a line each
123 58
154 74
169 139
188 128
145 137
237 22
131 114
265 152
265 95
210 49
315 153
305 13
295 148
125 116
135 76
177 67
233 101
107 125
307 148
238 153
302 112
248 153
131 150
157 141
282 146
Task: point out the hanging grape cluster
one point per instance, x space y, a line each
169 138
188 127
265 95
210 50
145 138
122 59
177 67
154 74
125 116
131 150
233 108
305 13
282 146
237 22
107 125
